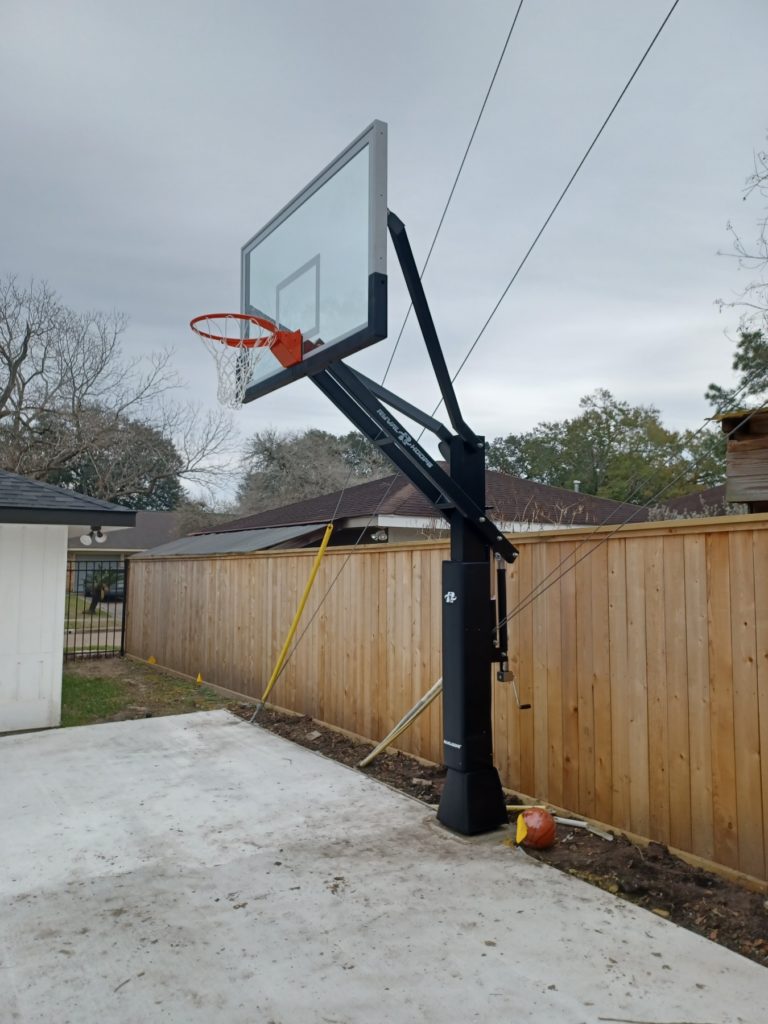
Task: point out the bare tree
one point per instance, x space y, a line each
29 320
280 468
74 410
752 254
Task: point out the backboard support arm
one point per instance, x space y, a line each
396 402
444 491
421 308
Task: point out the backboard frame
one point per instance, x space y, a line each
375 137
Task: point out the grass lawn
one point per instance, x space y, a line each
86 700
113 689
77 614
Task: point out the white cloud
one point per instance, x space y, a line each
144 143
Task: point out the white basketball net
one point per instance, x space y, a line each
235 361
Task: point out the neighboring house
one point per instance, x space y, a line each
392 510
151 530
36 521
709 502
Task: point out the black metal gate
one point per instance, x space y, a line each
94 619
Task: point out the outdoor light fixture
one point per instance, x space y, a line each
94 534
379 535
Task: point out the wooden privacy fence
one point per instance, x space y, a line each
646 663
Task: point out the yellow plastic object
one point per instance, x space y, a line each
199 679
151 660
522 829
295 624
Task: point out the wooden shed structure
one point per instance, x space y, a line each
746 474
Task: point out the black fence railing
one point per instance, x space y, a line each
94 619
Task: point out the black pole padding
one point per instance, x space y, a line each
472 800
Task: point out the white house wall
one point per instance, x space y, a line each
33 568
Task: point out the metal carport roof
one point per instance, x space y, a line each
240 541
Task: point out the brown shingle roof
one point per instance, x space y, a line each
31 501
510 500
151 529
516 500
711 501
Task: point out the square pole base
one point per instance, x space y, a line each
472 802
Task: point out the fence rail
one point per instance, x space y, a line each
95 608
646 664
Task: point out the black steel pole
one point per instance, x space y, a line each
472 800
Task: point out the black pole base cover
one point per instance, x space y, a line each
472 802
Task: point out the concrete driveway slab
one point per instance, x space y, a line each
197 869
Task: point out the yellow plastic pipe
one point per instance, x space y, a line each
295 624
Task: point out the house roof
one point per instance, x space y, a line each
236 541
30 501
711 501
151 530
510 500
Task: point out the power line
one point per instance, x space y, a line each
509 283
540 589
562 195
402 328
456 181
628 500
443 215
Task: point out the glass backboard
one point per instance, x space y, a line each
320 265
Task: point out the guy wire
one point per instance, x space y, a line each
541 588
397 473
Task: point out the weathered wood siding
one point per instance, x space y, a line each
646 663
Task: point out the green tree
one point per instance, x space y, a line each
615 450
751 363
705 451
133 465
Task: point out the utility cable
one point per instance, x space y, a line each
443 216
519 267
628 500
455 181
509 283
562 195
397 342
541 589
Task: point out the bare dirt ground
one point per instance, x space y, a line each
649 876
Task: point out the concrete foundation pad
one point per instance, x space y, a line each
199 869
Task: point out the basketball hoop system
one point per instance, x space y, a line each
238 342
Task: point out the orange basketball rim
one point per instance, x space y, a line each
286 346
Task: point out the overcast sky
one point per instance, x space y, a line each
143 143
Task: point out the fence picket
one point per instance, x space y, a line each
647 664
